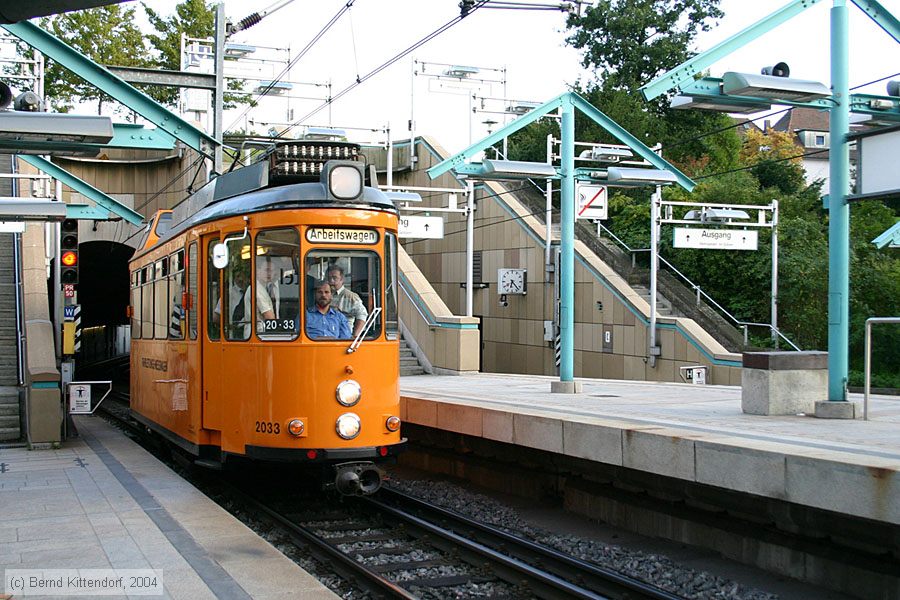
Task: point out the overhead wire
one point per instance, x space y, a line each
360 80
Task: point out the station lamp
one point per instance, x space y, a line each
626 175
606 153
68 251
716 215
721 104
773 82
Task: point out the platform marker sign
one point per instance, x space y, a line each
421 227
79 399
592 201
69 290
715 239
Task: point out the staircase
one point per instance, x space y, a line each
409 364
664 307
9 356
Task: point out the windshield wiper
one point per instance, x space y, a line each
370 322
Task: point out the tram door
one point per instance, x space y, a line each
213 402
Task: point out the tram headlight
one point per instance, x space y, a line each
347 426
296 427
392 423
348 392
345 181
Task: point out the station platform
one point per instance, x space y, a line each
103 502
696 433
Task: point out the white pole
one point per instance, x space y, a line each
220 86
775 272
412 117
390 156
548 218
654 265
470 244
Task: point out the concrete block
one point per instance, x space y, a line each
497 425
593 442
565 387
421 412
652 449
740 468
826 409
538 432
787 392
459 418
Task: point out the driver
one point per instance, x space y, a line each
322 320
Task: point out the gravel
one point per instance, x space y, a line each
652 568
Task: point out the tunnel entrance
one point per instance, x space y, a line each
103 293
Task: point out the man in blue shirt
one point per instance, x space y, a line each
322 321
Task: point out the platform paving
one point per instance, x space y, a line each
691 432
102 502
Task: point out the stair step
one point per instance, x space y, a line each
409 361
406 371
9 410
9 421
9 434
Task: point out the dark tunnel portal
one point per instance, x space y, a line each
103 288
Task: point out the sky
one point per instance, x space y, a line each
529 45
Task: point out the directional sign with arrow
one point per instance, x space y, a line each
716 239
421 227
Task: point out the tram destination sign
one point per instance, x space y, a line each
715 239
341 235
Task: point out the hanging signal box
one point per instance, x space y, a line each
303 160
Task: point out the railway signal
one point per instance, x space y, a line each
69 252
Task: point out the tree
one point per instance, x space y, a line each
776 159
195 19
106 35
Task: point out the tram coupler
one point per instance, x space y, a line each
357 479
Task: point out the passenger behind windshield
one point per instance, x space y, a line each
323 321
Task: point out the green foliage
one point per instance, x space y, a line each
108 35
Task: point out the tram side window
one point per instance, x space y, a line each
176 293
147 302
342 290
390 286
192 290
136 305
161 300
278 284
213 306
236 311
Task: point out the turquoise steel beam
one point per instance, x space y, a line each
83 188
890 238
711 88
882 17
629 140
100 77
838 208
567 243
86 212
505 131
128 135
692 68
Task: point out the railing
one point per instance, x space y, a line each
868 358
701 295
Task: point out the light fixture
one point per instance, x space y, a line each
273 88
325 134
520 108
720 103
776 88
716 215
647 176
235 51
54 127
515 169
461 71
606 153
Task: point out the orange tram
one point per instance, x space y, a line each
264 318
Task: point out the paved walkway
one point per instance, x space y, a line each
102 502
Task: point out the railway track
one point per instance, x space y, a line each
393 545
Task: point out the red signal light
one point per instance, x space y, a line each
69 258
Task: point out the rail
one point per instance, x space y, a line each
868 358
700 294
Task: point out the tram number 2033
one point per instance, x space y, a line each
267 427
279 324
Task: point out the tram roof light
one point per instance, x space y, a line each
776 88
461 71
720 104
515 169
716 215
645 176
606 153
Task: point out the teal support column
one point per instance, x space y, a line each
838 208
567 244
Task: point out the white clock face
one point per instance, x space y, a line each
512 281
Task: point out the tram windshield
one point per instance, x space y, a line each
342 290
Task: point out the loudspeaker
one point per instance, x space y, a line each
28 102
893 88
5 95
779 70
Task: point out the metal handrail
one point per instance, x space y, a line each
744 325
868 358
